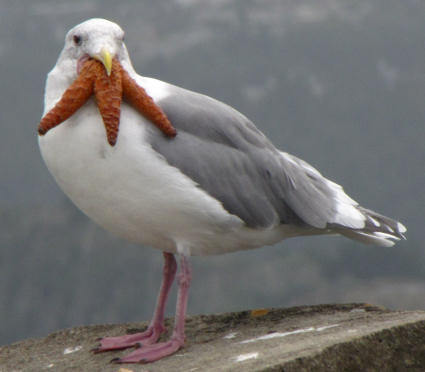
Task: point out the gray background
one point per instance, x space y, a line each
339 83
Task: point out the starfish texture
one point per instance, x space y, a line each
109 92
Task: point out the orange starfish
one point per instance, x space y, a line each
109 92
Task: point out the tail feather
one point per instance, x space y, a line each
378 229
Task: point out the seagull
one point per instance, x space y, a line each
211 183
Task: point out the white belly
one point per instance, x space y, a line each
131 190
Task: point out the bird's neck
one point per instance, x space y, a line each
58 80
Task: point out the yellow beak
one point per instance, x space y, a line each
105 57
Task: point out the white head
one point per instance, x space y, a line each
96 38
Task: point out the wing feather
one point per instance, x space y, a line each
228 157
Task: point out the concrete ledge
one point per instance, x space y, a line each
319 338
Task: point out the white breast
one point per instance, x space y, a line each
131 191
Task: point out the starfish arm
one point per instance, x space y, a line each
74 97
138 97
108 92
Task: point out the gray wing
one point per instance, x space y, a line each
228 157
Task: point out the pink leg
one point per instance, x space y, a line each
156 326
151 353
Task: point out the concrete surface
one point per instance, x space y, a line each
350 337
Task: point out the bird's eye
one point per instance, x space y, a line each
77 39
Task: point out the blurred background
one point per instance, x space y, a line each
338 83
